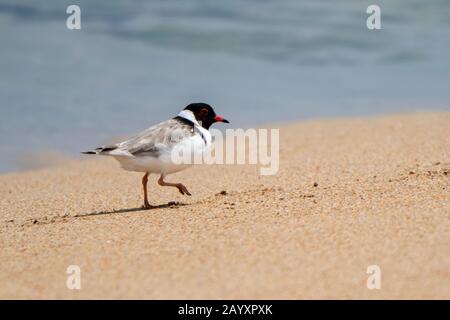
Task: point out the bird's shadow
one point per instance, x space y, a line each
161 206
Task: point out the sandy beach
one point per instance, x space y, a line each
350 193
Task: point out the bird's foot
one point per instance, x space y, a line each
183 189
147 205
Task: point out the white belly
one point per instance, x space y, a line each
150 164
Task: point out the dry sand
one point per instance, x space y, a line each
382 197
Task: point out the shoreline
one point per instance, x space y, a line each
351 192
51 158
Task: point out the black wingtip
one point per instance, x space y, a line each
88 152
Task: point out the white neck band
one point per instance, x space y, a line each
188 115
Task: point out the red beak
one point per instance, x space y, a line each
221 119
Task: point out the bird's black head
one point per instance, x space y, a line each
205 114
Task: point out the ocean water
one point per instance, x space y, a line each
134 63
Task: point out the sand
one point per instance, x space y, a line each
350 193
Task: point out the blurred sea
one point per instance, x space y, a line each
135 63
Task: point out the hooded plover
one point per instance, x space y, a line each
151 150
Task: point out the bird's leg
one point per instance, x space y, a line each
144 184
179 186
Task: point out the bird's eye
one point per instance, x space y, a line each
204 112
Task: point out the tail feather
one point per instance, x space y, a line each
100 150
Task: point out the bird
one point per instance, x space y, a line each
151 151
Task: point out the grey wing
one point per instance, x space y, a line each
157 139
